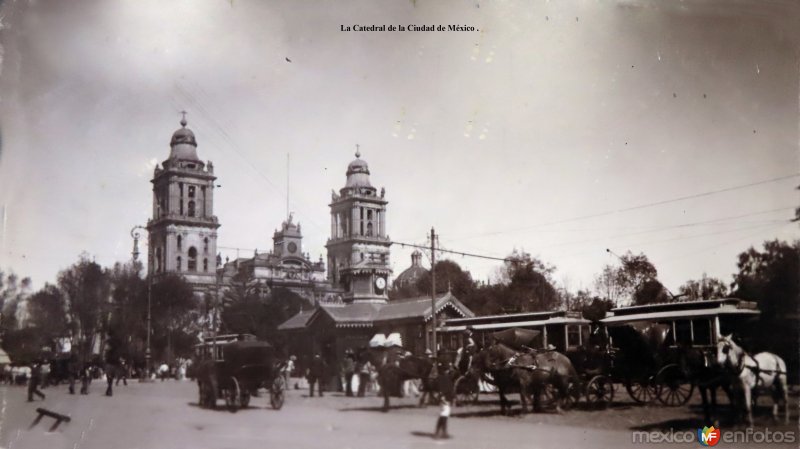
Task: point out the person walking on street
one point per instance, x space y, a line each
316 374
364 370
446 394
34 381
86 379
348 370
122 372
288 369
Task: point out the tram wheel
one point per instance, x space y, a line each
675 387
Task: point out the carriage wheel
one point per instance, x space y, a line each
675 387
467 391
600 391
573 395
233 395
643 391
277 393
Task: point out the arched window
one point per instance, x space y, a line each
191 208
158 260
205 264
180 242
178 261
192 259
369 229
205 245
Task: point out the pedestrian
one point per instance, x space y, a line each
363 377
34 381
111 372
288 369
446 394
86 379
348 370
316 374
122 372
73 371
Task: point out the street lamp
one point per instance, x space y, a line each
135 255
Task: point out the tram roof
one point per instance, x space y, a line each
726 309
511 318
455 325
685 305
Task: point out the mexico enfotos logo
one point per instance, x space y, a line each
710 436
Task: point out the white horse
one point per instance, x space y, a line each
763 371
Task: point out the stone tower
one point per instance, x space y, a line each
183 230
358 250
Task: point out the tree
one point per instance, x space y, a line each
128 324
87 290
772 278
616 283
525 285
705 288
650 291
449 276
13 291
46 312
253 308
175 314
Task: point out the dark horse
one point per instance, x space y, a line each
708 375
529 373
395 366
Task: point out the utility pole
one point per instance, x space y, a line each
135 255
433 294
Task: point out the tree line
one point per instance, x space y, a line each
105 309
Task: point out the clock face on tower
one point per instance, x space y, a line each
292 247
380 283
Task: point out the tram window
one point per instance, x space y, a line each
585 335
573 336
683 332
702 331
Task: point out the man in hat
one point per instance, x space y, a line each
34 381
348 370
316 374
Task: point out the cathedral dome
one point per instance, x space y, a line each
183 143
413 273
358 173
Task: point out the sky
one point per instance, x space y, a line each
559 128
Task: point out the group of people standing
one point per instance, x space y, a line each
351 366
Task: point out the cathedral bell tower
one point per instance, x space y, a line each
358 250
183 230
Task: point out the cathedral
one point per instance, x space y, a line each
348 303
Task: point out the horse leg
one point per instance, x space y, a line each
523 397
713 391
503 400
704 398
785 389
748 407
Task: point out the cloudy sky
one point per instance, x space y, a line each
561 128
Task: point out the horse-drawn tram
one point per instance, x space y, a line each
657 352
235 367
662 351
536 334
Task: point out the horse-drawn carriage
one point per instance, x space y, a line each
663 351
234 368
657 352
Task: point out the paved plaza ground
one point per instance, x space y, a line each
166 415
